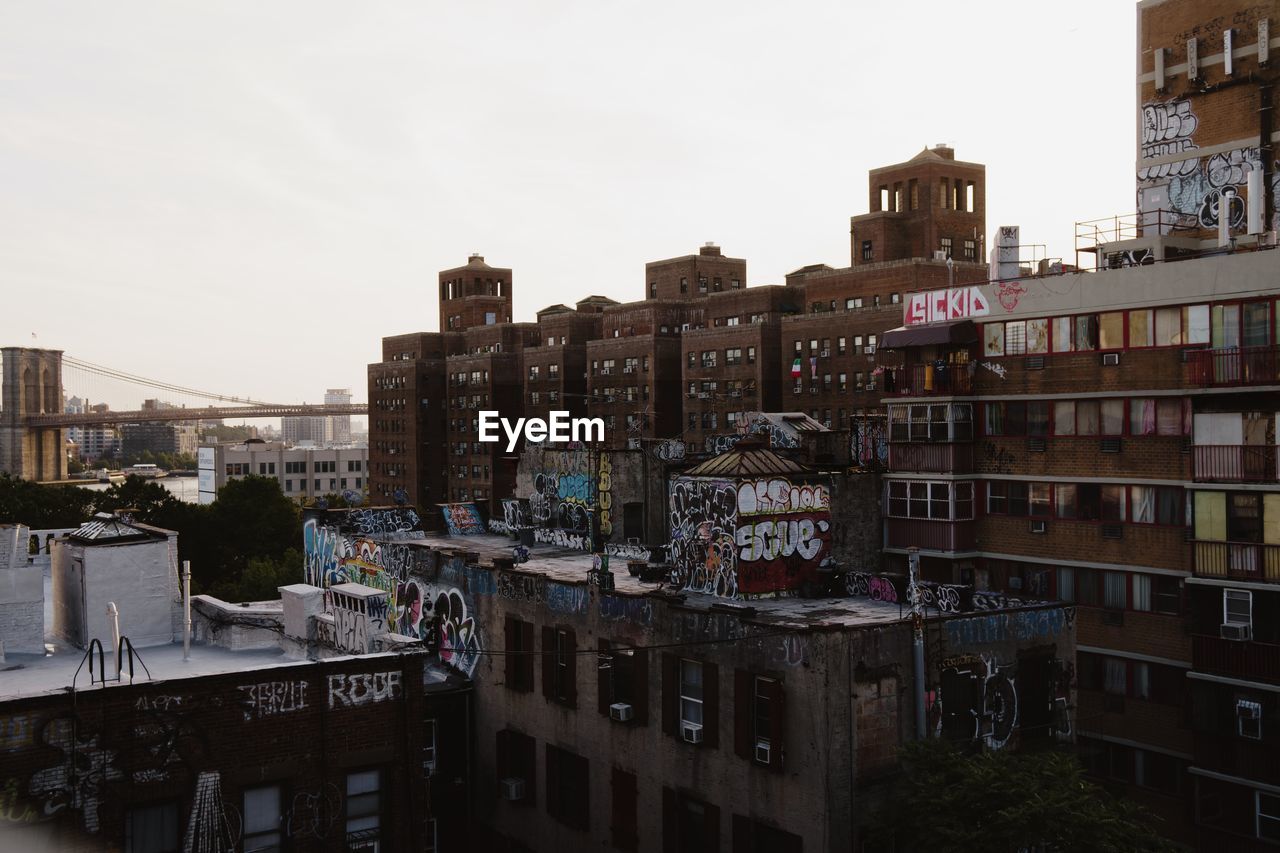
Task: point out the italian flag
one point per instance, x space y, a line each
795 369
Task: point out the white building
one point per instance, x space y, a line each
303 472
339 425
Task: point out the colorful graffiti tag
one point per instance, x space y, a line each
605 496
754 537
462 519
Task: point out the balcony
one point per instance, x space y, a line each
929 535
1235 463
1248 660
1234 366
1242 561
921 380
941 458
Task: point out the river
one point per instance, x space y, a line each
184 488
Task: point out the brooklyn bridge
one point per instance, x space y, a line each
32 416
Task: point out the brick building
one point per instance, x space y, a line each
407 421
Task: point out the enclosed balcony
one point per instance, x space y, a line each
1243 561
922 380
929 535
1234 366
1235 463
931 458
1249 660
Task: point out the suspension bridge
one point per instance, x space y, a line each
34 384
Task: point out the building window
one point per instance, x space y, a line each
559 666
752 836
970 250
262 819
684 285
152 829
1249 719
568 788
364 809
653 290
693 824
623 825
623 679
946 245
1268 810
516 757
690 693
867 253
519 657
751 355
429 745
1237 606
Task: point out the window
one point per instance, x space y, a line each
1111 330
623 678
364 807
751 355
152 829
519 657
1115 590
262 819
624 825
867 253
691 693
684 285
946 245
568 788
1237 606
559 666
1249 719
758 719
516 757
970 250
1268 812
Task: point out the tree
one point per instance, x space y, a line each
43 507
1007 801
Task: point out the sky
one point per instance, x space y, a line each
246 197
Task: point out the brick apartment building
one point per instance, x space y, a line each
1109 438
686 362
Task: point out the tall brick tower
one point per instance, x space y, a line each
474 295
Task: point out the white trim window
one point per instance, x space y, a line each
1237 606
1267 811
690 692
1249 719
262 819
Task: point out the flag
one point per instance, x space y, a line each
795 369
813 368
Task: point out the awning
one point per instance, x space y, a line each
959 332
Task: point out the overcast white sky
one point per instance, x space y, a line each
245 197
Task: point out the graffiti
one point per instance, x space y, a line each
566 598
977 700
324 548
79 779
1001 459
1218 203
669 450
462 519
272 698
164 741
998 369
563 538
15 732
313 813
515 514
351 691
574 487
605 496
351 629
997 601
12 808
459 643
520 587
718 444
777 496
386 522
779 436
769 540
209 826
158 703
1167 130
874 587
1009 292
943 597
628 551
520 554
702 536
790 649
545 488
639 611
1004 627
869 441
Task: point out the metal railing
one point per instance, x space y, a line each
1249 660
918 458
917 380
1235 365
1235 463
928 534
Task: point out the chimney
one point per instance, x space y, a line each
709 248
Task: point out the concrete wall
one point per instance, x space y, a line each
141 579
21 594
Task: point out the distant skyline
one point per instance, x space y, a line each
247 198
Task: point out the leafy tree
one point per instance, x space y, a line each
39 507
1005 801
262 578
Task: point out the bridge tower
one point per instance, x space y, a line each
31 385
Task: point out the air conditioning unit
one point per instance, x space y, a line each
1110 359
762 751
512 789
1235 631
826 353
691 732
868 350
704 396
621 712
628 369
735 393
605 371
633 444
1039 525
684 327
813 391
939 255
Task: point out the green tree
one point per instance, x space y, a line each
41 507
999 801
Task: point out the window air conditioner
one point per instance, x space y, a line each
691 732
1110 359
704 396
868 350
1039 525
628 369
621 712
762 751
512 789
826 353
1235 631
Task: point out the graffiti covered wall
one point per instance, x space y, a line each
462 519
740 538
339 549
